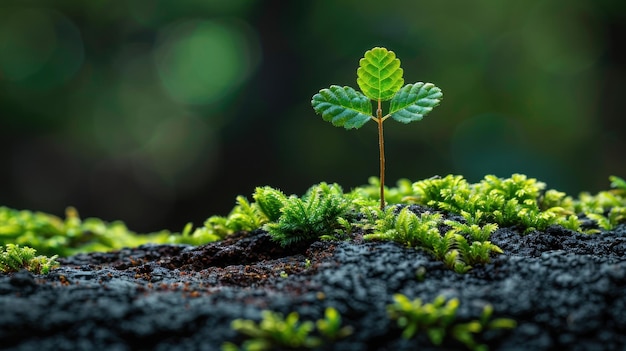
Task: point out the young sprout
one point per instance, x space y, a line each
380 78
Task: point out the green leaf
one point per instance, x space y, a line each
342 106
414 101
379 75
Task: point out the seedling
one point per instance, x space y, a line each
380 78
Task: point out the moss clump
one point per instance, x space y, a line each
276 331
454 225
438 320
51 235
315 214
14 258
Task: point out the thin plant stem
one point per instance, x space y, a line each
379 119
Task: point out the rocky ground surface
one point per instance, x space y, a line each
565 290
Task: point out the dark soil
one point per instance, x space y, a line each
565 290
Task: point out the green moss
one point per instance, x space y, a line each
438 321
507 202
14 258
455 229
51 235
316 214
276 331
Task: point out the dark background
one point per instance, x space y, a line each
161 112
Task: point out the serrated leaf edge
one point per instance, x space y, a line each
351 115
413 101
372 68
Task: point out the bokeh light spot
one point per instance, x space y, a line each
562 44
27 40
200 62
40 49
163 147
182 151
152 13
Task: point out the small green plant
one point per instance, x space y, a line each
312 216
476 252
245 216
607 208
270 201
618 183
380 78
609 221
402 192
438 319
472 231
51 235
408 228
214 229
514 201
330 327
275 331
14 258
344 231
459 248
329 214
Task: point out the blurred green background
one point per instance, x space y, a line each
161 112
